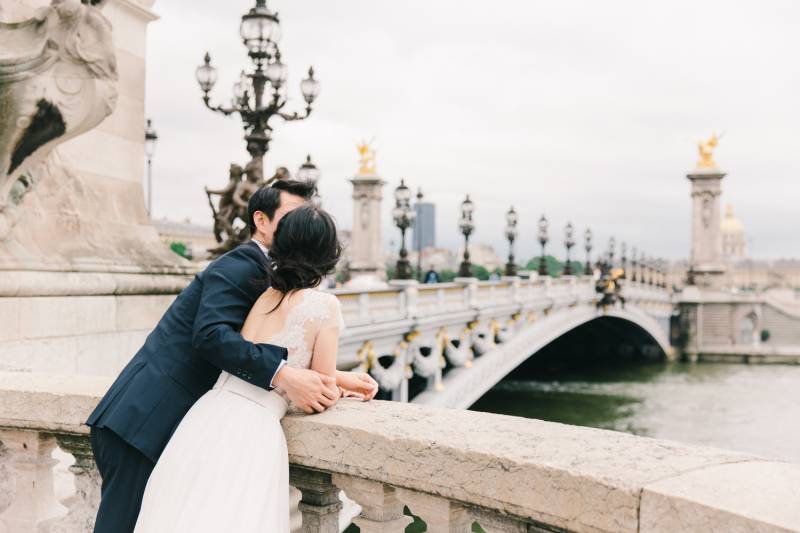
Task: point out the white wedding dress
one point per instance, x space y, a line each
226 466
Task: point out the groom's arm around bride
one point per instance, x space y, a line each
182 358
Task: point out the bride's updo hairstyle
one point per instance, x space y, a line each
305 249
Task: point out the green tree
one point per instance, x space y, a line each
180 249
554 266
447 275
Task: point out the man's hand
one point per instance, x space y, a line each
360 384
309 390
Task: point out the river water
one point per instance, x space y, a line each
749 408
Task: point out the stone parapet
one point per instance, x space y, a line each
450 467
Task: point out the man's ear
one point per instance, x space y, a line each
260 218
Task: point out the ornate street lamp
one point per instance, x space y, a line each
308 172
466 225
542 235
587 245
511 235
418 235
633 264
623 248
403 216
612 244
150 138
569 242
260 32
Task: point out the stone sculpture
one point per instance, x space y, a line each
57 80
230 212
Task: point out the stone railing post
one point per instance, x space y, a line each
440 515
82 506
381 510
34 501
363 306
320 504
410 294
470 291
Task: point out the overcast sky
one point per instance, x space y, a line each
587 111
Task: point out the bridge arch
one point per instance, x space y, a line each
464 386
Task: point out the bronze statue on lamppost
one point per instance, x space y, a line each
260 32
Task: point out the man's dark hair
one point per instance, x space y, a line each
267 199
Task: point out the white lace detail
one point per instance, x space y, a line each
303 322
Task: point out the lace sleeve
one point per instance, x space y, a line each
333 318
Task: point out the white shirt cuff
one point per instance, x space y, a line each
271 385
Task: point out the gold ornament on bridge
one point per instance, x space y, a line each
706 150
367 158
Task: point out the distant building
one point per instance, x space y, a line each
438 258
734 244
748 274
482 255
196 239
424 235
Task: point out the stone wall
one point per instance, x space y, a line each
452 468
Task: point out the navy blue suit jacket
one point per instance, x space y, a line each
182 358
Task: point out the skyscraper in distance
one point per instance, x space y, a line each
424 235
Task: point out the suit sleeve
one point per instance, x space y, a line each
223 307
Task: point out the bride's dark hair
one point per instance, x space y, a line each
305 249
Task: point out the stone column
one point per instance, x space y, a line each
320 504
34 502
706 266
381 510
84 503
366 254
440 514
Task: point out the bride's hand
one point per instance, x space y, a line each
357 385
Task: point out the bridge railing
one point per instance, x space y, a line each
450 468
420 329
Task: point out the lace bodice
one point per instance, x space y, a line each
305 314
304 321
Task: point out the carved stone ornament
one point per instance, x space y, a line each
57 80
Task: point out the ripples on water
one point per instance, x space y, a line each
750 408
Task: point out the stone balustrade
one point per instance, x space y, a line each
450 468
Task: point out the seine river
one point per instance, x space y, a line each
749 408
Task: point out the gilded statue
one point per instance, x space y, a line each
706 150
367 158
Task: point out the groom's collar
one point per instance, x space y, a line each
261 247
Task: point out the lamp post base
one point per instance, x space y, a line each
465 270
403 269
542 267
511 269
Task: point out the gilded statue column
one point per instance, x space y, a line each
706 265
366 264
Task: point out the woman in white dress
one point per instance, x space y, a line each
226 467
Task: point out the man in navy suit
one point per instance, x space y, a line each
182 358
